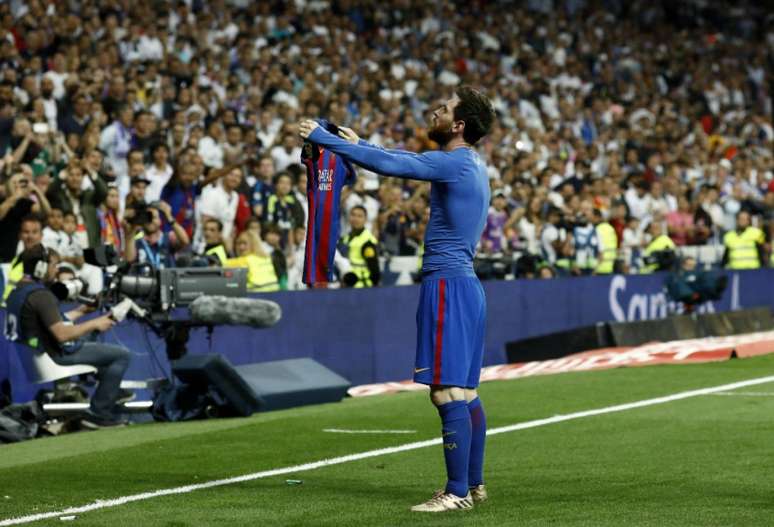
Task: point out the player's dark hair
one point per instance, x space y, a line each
476 110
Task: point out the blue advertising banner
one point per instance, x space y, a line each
369 335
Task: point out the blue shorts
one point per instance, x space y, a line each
451 323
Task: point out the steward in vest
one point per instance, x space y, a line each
262 275
35 320
30 234
360 248
214 248
608 244
744 246
659 255
585 242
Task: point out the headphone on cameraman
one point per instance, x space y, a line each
41 266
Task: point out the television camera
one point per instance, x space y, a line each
171 301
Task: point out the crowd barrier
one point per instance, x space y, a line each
368 335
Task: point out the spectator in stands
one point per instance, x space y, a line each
116 141
155 248
357 195
77 120
158 173
263 187
66 193
17 205
393 223
555 241
283 209
287 153
111 221
214 248
220 200
30 234
493 237
680 222
596 124
262 275
585 243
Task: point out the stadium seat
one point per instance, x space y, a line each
40 368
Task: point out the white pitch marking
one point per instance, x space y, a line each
345 431
104 504
746 394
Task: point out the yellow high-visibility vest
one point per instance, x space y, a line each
261 276
742 248
218 251
15 274
661 243
357 260
608 241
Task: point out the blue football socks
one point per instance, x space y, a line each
456 431
477 440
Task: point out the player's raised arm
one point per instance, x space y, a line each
426 167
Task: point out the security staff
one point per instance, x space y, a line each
34 319
744 246
608 244
660 243
213 238
360 247
30 234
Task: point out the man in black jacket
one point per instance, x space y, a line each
67 195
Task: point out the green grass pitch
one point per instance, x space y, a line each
704 461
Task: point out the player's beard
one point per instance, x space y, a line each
441 134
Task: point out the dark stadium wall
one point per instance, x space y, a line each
369 335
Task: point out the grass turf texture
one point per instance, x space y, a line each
700 461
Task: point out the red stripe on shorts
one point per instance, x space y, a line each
439 331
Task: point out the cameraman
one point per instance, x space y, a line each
36 320
154 247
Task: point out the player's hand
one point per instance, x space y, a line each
103 323
348 134
306 127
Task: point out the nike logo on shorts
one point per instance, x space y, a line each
420 370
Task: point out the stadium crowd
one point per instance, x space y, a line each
168 129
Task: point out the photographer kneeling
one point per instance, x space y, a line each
36 320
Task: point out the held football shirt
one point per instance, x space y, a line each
327 174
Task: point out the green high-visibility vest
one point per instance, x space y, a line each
742 248
356 258
608 241
662 243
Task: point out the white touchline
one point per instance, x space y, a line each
345 431
746 394
104 504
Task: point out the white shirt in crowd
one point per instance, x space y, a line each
550 235
61 242
211 152
158 178
282 158
639 207
215 202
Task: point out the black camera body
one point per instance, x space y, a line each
159 291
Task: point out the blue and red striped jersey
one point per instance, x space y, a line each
326 173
